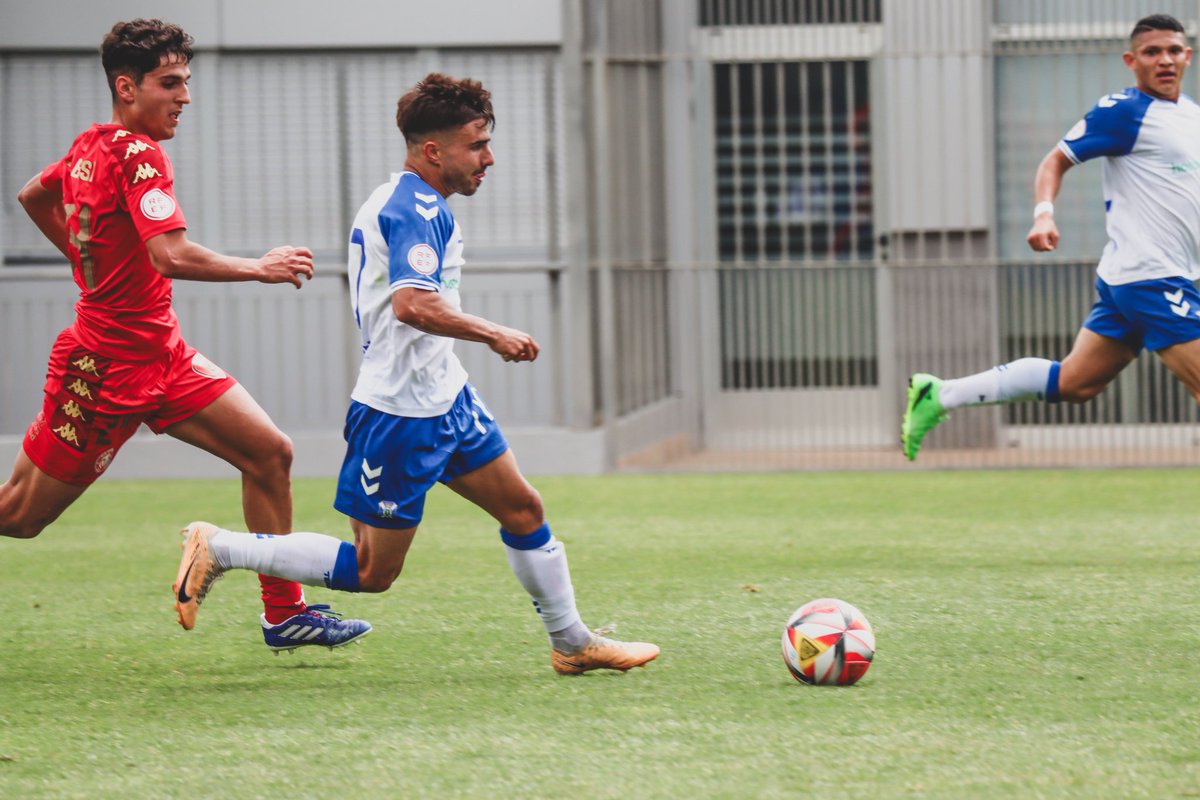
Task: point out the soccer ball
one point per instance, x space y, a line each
828 641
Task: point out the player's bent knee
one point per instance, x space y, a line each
274 460
525 515
1080 394
19 528
374 584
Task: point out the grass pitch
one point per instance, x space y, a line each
1037 634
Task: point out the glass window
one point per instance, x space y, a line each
793 161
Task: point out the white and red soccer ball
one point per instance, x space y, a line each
828 641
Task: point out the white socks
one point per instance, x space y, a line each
308 558
1023 379
542 571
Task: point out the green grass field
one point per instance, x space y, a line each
1037 636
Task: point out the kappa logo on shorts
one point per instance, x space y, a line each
72 410
82 389
70 434
89 367
202 366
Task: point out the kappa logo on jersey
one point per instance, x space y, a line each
119 135
1110 100
137 146
423 259
82 170
145 171
157 204
426 205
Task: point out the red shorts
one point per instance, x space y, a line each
94 404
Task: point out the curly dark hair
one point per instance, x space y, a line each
138 47
439 102
1156 22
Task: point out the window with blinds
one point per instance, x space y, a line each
793 161
788 12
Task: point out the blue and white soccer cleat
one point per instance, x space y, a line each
317 624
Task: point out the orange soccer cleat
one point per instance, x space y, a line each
197 571
603 653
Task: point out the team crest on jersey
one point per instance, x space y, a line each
1076 132
423 259
202 366
157 204
104 460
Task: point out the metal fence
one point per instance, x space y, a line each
736 227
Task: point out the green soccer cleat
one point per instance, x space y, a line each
923 413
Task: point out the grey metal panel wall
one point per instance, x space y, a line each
290 23
32 312
294 350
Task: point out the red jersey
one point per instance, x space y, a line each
118 191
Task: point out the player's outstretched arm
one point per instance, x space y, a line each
1043 236
45 208
428 311
175 256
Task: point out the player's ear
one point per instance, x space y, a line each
432 152
125 86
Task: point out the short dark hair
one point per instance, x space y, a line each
439 102
1156 22
138 47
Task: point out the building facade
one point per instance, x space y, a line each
735 227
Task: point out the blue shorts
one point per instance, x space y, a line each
1151 314
392 462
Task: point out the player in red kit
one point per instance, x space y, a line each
109 205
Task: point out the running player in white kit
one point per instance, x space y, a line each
414 420
1149 137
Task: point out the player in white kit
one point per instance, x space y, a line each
1149 137
414 420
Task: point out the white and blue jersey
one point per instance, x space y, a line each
404 236
1151 183
413 419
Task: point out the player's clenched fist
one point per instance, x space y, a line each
1043 236
514 345
286 264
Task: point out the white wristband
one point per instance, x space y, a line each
1044 207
